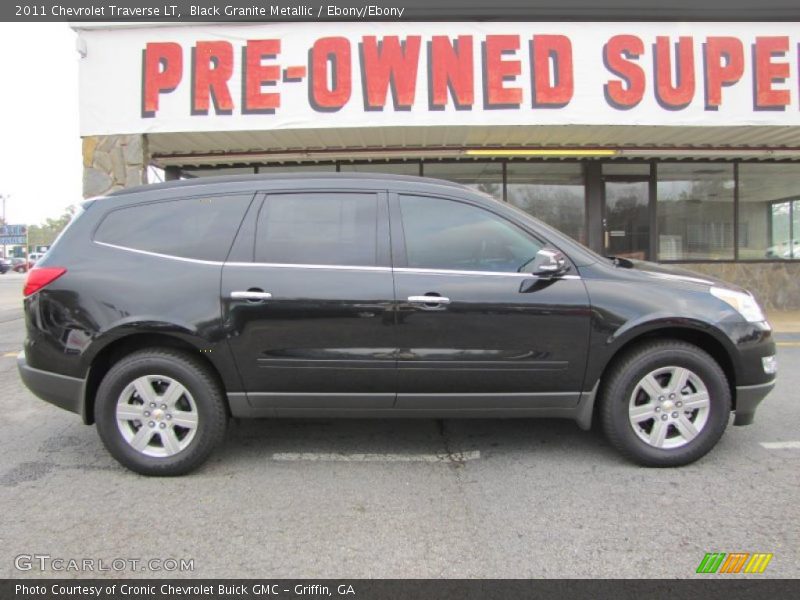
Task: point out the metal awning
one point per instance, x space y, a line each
411 143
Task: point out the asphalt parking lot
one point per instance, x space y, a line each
347 499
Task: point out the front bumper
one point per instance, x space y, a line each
748 397
65 392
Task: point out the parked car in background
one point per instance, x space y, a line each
784 250
373 296
21 265
35 256
5 266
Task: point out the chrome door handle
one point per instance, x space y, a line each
429 299
250 295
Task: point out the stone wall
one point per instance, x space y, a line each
775 284
113 162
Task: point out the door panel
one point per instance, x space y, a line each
493 337
324 337
322 331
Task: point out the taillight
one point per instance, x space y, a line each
38 277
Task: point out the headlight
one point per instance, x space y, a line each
744 303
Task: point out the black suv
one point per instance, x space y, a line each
164 310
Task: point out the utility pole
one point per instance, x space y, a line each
5 251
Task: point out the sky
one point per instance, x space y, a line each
41 167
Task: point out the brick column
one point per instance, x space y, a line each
113 162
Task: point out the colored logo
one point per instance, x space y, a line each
735 562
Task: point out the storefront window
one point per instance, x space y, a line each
769 211
796 228
552 192
694 200
404 168
627 169
485 177
695 211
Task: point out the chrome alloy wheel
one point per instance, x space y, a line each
157 415
669 407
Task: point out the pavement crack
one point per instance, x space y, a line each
455 457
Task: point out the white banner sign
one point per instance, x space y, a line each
290 76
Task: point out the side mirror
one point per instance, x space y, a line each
549 263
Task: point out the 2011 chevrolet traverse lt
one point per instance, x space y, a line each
164 310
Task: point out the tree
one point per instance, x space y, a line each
46 233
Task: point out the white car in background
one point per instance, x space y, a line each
784 250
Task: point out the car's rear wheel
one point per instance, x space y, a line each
160 412
665 404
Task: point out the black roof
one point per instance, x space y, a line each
199 181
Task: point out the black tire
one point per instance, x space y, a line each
624 377
194 376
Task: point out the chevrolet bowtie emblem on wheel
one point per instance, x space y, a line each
735 562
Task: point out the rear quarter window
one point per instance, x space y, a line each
202 228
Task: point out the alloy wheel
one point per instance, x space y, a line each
669 407
157 416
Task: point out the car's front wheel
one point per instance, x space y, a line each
160 412
665 404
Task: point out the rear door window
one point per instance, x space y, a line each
318 228
201 228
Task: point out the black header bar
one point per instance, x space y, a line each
396 10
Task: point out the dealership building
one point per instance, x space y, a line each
666 141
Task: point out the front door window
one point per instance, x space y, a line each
444 234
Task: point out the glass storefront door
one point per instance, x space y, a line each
626 220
